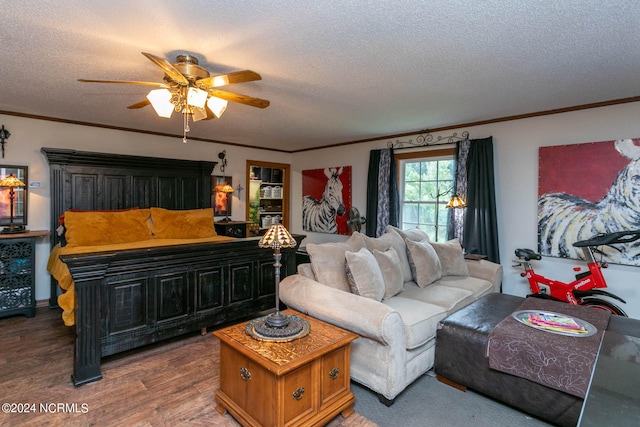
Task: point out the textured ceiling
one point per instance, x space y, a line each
334 70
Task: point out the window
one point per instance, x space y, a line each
426 185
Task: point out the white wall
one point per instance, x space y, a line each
516 146
28 136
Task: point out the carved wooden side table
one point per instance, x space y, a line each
301 382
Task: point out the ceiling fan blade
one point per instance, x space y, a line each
168 69
140 104
242 99
126 82
230 79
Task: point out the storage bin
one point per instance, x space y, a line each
276 192
267 192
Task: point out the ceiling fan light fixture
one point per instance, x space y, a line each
160 100
196 97
198 114
217 105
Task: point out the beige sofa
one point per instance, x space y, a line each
392 291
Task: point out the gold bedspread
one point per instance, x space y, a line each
60 271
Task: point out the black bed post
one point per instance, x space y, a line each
87 354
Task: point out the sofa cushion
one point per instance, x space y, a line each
306 270
450 298
415 234
392 239
451 258
389 264
477 287
419 319
424 262
364 275
328 261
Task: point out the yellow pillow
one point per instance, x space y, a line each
104 228
182 224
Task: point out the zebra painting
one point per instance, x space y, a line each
565 218
320 215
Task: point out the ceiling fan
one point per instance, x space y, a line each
191 90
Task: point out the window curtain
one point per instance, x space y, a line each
479 220
456 216
382 192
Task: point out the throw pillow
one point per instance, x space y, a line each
327 261
389 264
182 224
391 239
424 262
451 258
414 234
364 275
92 228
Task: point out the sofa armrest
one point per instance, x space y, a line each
363 316
487 270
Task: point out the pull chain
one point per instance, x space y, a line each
186 128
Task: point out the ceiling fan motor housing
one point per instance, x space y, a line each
188 67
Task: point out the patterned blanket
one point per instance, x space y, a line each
560 361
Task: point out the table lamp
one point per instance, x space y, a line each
278 326
11 182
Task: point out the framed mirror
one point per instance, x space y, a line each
19 196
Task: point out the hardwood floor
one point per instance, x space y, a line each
167 384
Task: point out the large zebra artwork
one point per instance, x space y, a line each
565 218
320 215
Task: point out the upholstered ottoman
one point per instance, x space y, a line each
460 361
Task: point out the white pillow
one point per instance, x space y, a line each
451 258
391 239
415 234
424 262
327 261
392 276
364 275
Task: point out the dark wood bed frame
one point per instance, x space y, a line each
126 299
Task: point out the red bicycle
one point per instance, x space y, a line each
588 284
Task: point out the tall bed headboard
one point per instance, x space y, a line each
98 181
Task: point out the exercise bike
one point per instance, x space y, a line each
588 284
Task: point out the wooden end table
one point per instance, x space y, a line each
301 382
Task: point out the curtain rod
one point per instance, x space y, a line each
426 139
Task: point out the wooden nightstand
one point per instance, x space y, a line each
301 382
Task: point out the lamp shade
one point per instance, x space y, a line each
217 105
160 100
277 237
226 189
11 181
223 188
197 97
199 114
456 202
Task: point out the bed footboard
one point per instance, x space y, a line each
126 299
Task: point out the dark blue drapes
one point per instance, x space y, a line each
480 229
383 205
